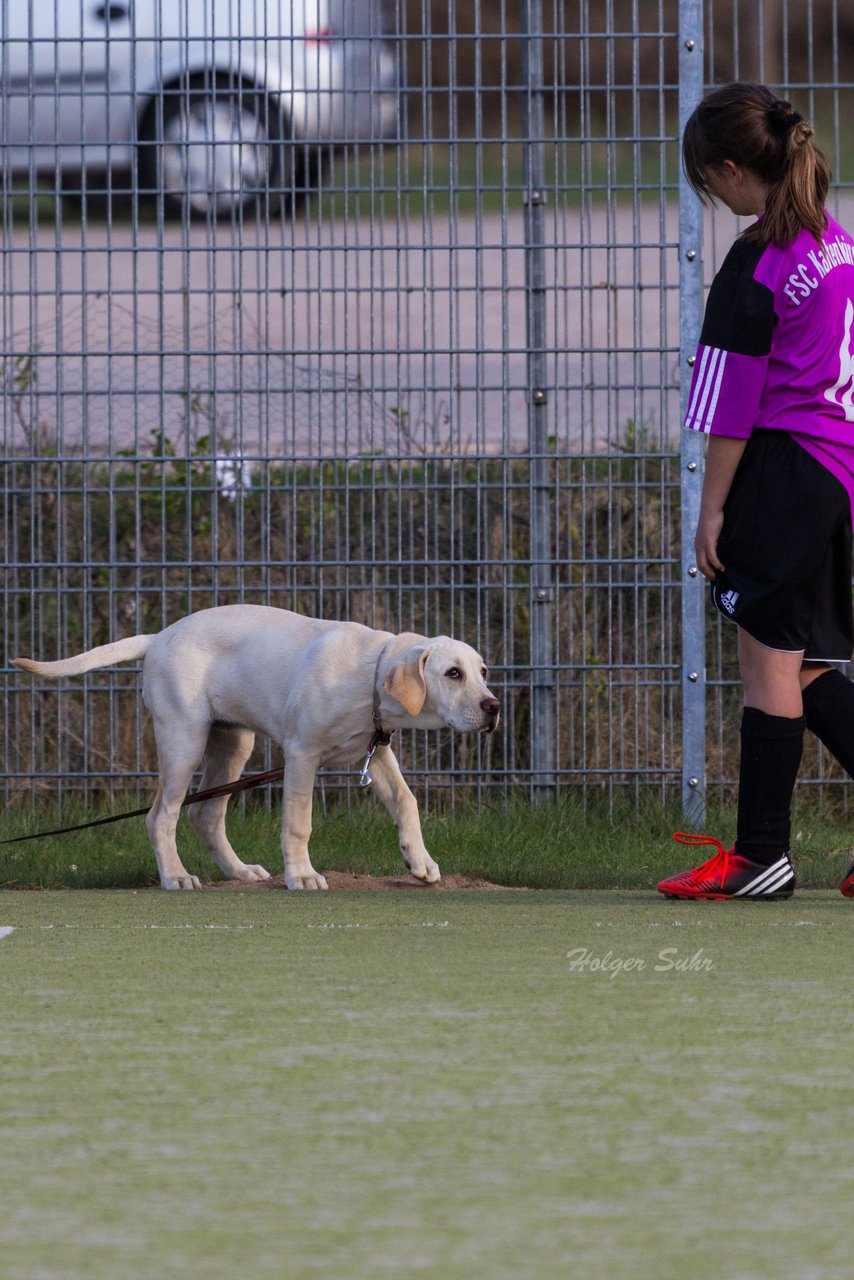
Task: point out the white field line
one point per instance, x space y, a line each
225 928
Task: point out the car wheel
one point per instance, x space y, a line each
215 149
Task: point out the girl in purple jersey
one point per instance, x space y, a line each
773 389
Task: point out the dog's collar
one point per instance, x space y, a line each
381 737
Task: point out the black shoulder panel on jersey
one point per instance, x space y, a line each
739 313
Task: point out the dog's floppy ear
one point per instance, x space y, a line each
406 683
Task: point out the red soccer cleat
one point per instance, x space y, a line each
847 886
728 875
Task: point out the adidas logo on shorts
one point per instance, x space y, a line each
729 600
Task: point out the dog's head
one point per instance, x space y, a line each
441 681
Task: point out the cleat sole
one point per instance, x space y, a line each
780 896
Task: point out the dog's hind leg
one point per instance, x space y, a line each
178 760
392 790
227 751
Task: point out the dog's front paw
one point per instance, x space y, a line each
250 874
310 879
426 870
182 881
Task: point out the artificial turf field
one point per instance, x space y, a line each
348 1085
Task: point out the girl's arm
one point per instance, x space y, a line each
722 459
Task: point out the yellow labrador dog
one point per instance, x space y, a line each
328 692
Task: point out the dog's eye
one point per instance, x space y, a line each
454 673
484 672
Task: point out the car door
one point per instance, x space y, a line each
65 82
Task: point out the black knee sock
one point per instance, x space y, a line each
771 748
829 712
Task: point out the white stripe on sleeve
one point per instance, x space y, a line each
701 411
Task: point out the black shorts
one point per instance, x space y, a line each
786 550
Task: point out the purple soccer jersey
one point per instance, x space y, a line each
777 348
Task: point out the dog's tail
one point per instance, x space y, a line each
106 655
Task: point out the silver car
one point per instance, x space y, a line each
213 103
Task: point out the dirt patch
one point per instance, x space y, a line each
346 880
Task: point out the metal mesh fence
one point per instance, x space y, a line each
370 311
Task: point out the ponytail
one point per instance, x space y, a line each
749 125
796 201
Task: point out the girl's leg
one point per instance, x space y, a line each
829 711
772 734
772 738
828 698
771 677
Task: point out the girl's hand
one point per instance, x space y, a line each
706 543
722 458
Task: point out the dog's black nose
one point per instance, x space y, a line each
491 706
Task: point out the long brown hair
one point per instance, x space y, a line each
750 125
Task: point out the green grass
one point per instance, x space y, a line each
382 1086
564 846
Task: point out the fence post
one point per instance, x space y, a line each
691 451
541 585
